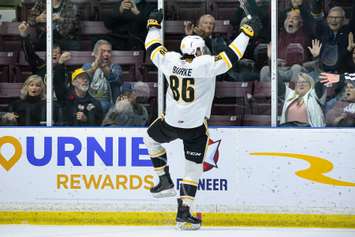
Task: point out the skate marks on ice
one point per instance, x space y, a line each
163 231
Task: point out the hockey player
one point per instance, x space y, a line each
188 104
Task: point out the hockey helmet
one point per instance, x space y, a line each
191 43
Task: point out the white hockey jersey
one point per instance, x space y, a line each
190 83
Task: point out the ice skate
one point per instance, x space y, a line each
184 219
165 187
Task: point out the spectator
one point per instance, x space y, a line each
105 77
128 24
79 107
333 33
303 105
127 111
65 24
38 65
30 109
342 114
293 34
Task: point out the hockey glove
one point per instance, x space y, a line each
155 18
251 27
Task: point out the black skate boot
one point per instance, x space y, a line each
165 187
184 219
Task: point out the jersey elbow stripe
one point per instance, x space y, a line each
226 60
151 43
235 49
155 52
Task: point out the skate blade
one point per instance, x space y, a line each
165 193
187 226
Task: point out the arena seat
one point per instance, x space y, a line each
260 103
8 93
222 9
89 31
189 9
10 36
231 98
22 68
7 61
86 9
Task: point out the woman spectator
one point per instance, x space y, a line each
303 105
30 109
65 24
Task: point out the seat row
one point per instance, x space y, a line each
175 9
92 30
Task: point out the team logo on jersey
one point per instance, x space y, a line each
217 58
212 155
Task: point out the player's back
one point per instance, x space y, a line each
191 89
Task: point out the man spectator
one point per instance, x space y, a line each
78 106
293 33
105 77
127 23
333 34
65 24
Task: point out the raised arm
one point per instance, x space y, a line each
153 43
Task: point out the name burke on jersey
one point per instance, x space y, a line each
186 72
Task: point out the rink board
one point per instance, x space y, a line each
281 171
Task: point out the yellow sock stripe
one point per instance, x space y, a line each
190 182
226 59
155 51
187 197
235 49
150 43
168 218
157 153
159 168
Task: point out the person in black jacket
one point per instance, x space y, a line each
78 107
333 33
128 24
30 109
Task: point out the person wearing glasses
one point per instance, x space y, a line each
303 106
333 31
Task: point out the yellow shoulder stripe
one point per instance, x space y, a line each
235 49
150 43
226 59
161 49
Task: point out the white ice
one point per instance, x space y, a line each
165 231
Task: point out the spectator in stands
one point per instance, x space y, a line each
264 13
127 111
78 106
303 105
66 27
38 65
343 112
128 24
30 109
205 28
292 36
105 77
333 33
